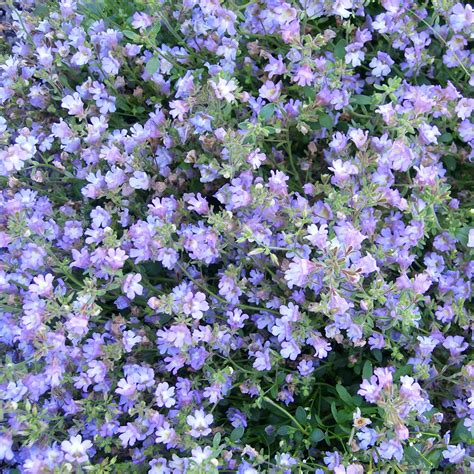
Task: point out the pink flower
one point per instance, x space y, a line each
303 76
298 272
43 285
178 109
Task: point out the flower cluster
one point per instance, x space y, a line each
236 236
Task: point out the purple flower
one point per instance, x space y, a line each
400 156
367 437
262 360
354 54
455 344
298 272
367 264
303 76
305 368
131 285
391 449
290 350
462 16
381 64
318 235
116 258
275 67
141 20
139 180
195 304
371 389
270 91
237 418
236 318
256 158
421 283
6 444
454 454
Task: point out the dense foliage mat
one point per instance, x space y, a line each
236 237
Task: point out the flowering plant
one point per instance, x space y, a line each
236 237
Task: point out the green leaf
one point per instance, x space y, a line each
344 395
317 435
283 430
309 92
404 370
122 104
132 35
40 10
340 49
378 354
301 415
462 235
152 65
450 162
217 440
446 137
316 420
434 456
463 434
367 370
326 121
267 111
154 31
361 99
63 80
236 434
334 411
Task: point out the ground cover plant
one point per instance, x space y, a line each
236 236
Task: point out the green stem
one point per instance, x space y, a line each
290 156
289 415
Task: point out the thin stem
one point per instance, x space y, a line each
289 415
290 156
442 41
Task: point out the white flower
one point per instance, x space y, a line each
140 180
470 242
73 103
224 89
199 422
75 449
